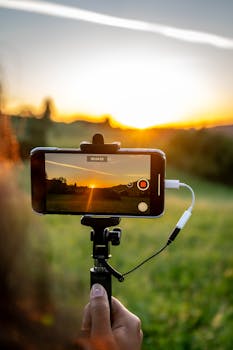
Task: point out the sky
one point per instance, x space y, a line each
116 170
144 63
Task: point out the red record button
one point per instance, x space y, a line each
143 184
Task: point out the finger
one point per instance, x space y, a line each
86 321
99 311
119 311
125 323
123 317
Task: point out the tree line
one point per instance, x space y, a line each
203 153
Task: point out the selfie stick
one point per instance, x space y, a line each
100 235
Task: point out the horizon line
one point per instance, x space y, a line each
113 123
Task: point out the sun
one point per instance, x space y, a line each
156 95
92 186
139 91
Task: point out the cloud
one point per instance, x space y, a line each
52 9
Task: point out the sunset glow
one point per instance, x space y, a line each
139 93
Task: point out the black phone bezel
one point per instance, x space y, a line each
157 173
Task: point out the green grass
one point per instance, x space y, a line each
184 296
79 203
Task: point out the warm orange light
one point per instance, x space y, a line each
139 93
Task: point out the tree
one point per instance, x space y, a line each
9 148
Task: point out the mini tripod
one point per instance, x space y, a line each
101 236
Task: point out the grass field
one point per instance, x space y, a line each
86 203
183 297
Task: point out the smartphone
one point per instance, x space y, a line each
127 183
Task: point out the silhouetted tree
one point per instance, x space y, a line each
36 129
9 148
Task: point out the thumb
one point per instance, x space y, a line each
100 311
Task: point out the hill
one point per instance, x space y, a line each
223 129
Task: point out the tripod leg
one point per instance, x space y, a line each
105 279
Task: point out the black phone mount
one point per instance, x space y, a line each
98 145
101 236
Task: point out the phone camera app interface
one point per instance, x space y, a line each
98 183
143 184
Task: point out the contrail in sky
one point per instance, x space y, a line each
78 167
52 9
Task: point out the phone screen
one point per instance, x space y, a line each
121 184
95 183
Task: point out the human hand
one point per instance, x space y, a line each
99 334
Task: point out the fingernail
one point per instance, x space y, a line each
97 291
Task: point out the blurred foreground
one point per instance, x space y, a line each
29 317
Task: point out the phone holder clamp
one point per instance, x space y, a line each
98 145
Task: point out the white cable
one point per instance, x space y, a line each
176 184
193 195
